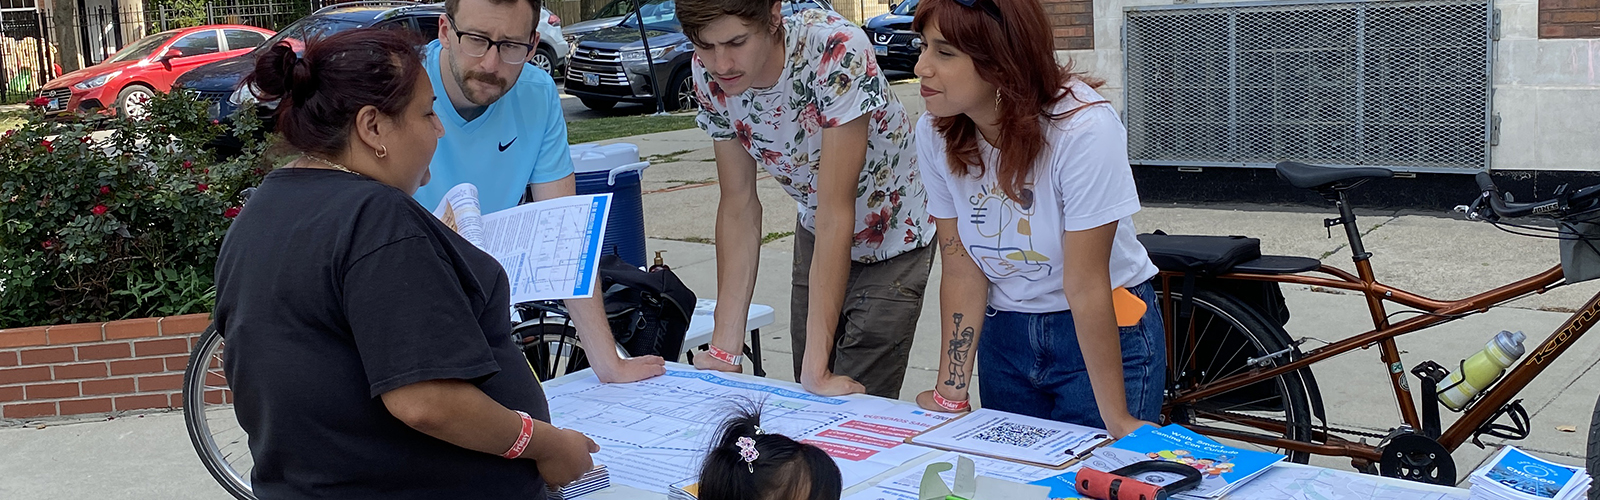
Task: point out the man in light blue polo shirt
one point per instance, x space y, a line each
504 131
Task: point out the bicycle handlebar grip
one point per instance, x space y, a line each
1486 183
1107 486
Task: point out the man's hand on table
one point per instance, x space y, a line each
563 455
830 384
615 370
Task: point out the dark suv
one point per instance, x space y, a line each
609 66
896 45
218 82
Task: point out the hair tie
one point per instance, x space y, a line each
747 451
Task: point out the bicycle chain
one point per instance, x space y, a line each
1325 428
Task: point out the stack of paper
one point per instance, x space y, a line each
1008 436
688 489
594 480
1221 467
1514 475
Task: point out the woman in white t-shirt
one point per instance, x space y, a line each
1027 174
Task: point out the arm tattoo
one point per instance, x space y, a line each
953 247
960 352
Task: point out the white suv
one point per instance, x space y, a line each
553 48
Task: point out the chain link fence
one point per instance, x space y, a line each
1400 84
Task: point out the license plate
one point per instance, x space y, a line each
591 79
54 105
881 49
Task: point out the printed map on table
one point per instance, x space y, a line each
655 432
1314 483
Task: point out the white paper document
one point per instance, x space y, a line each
655 432
993 433
904 486
1294 482
550 249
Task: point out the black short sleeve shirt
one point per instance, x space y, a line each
333 289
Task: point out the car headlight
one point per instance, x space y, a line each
637 55
96 81
242 94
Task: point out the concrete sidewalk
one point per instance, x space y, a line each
148 456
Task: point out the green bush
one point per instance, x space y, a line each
118 223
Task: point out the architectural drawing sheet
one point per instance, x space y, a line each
655 432
549 249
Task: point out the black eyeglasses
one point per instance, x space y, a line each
988 7
476 45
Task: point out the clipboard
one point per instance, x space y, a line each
1105 439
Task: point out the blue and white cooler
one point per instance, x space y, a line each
615 169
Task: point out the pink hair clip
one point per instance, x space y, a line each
747 451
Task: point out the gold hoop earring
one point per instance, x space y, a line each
382 151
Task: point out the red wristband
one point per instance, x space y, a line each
949 405
522 439
725 356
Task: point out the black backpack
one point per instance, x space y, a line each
649 311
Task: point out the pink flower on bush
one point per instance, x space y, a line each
105 189
48 148
39 102
231 212
48 244
99 210
202 187
187 165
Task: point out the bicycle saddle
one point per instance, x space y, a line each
1328 178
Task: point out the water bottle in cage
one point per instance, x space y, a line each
1481 370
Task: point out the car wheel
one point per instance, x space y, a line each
132 101
597 104
682 95
545 59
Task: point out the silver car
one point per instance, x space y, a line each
609 15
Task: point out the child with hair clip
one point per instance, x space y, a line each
746 463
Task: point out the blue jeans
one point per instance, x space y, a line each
1031 365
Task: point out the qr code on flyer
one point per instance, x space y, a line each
1015 434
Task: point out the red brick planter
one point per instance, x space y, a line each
135 364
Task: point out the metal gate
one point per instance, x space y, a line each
1399 84
25 53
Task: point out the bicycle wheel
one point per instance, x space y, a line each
1217 341
1594 450
208 413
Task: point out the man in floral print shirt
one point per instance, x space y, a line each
802 97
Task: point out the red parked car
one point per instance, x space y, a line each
122 82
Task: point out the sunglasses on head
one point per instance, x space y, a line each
987 6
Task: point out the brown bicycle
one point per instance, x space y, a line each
1235 373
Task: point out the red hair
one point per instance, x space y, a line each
1018 58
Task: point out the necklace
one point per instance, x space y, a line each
335 166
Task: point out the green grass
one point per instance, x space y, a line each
612 127
771 237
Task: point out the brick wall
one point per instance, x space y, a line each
1073 23
1569 18
84 368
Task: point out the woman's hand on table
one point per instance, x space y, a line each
705 361
620 371
1119 427
564 455
925 401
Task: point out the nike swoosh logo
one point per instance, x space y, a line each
507 145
